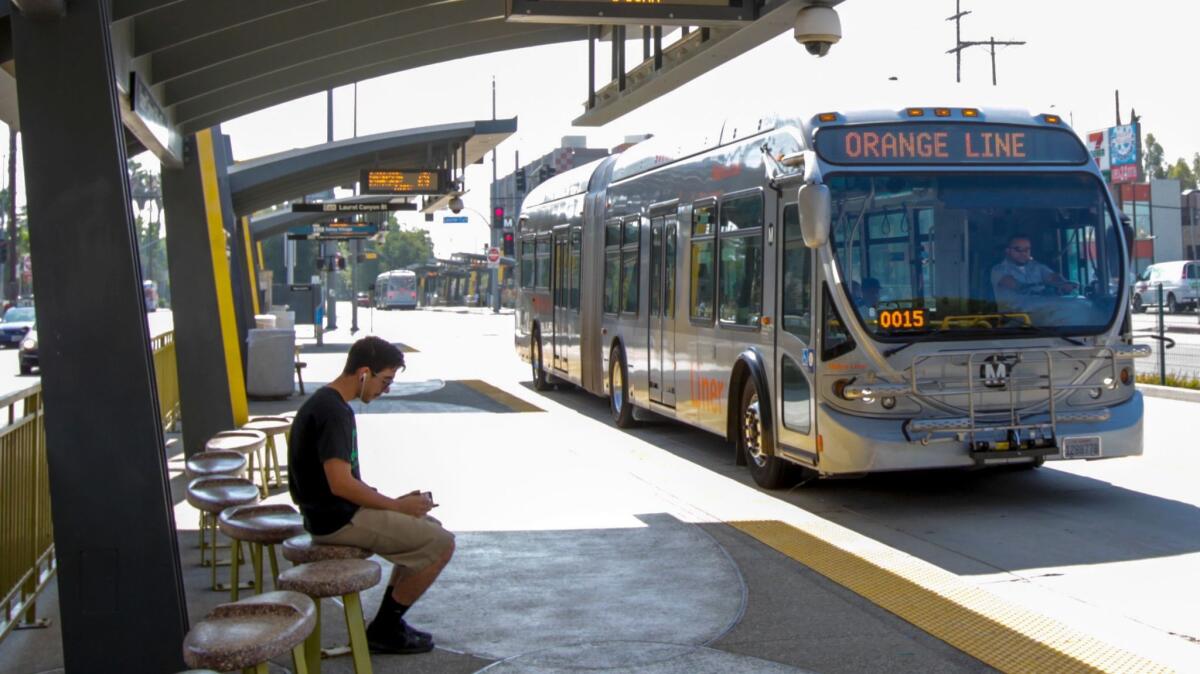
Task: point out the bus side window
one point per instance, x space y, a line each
702 288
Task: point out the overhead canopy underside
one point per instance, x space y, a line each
209 61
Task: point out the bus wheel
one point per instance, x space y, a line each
754 441
1138 307
618 390
1172 304
540 381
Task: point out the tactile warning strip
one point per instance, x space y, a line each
982 625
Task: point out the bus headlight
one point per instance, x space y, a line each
29 344
888 402
1109 383
1094 393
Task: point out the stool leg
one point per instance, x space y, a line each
203 521
312 645
275 460
234 565
274 567
358 633
300 658
256 549
260 668
266 472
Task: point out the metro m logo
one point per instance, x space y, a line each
996 369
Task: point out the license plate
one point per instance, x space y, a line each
1081 447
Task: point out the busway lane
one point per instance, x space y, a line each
1057 540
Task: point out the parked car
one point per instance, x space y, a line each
17 322
1180 286
29 352
363 299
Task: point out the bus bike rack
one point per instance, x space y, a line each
1016 420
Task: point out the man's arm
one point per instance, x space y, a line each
344 485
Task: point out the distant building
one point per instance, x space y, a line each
1190 224
1155 209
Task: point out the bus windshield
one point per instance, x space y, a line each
979 254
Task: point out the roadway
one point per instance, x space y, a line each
584 546
11 379
1108 548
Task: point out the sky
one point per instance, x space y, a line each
1078 53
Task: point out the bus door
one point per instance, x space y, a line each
560 295
663 242
795 360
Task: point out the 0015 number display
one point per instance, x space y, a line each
901 319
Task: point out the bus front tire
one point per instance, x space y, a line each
540 381
755 441
618 390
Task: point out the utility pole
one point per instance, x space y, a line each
960 44
493 236
10 262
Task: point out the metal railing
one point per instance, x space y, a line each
1175 346
27 559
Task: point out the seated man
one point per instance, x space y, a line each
1018 277
340 509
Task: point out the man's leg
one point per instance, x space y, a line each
408 588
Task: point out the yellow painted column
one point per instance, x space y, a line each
226 319
250 266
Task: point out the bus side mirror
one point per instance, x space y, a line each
814 205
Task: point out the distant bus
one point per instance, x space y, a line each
396 289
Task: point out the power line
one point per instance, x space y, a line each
960 44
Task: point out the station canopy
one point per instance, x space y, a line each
186 65
288 176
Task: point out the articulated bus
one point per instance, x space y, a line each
396 289
927 288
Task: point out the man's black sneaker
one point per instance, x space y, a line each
421 633
399 639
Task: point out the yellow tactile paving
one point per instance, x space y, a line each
503 397
999 633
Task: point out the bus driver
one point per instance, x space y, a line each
1018 276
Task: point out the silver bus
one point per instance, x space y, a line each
396 289
852 293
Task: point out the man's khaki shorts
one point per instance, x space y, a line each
410 542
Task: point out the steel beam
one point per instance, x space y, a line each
212 392
120 592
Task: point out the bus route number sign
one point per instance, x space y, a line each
902 319
402 181
948 143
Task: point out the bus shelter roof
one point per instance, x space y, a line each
266 181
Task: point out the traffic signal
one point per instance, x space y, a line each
545 172
340 262
509 245
498 217
520 177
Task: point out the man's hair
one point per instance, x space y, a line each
870 282
374 353
1014 237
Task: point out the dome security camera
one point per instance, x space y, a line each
455 204
817 28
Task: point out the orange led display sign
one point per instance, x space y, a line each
948 143
902 319
402 181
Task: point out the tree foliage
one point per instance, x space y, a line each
145 191
1183 172
402 248
1154 158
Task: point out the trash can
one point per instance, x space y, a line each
264 320
270 362
283 317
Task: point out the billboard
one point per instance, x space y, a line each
1117 151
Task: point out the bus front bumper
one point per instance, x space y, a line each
854 444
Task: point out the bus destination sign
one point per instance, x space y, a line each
402 181
931 143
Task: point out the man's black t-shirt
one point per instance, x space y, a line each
324 429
